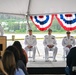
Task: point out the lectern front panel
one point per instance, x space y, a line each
3 42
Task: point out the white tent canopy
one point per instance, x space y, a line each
37 7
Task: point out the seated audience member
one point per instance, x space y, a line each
71 62
2 71
68 42
19 62
10 64
23 54
50 45
30 43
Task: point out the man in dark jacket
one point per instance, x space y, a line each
71 61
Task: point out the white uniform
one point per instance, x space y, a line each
67 41
1 31
50 40
31 41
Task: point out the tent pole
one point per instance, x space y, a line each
27 18
27 15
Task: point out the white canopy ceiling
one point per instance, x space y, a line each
37 7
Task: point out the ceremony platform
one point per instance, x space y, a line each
50 67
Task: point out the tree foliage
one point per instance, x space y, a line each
19 25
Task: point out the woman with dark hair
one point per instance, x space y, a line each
2 71
23 54
19 62
10 64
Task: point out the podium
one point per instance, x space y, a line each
3 42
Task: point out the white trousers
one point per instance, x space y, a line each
47 49
31 49
66 51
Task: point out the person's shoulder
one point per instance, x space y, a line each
72 36
46 36
53 37
65 37
19 72
26 36
33 35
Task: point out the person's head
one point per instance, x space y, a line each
9 62
2 68
30 32
18 45
14 51
49 31
68 33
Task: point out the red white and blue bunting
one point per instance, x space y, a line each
42 22
67 21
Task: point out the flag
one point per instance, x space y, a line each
42 22
67 21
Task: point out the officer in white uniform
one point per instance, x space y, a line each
1 31
50 45
67 42
30 43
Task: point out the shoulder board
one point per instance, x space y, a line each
53 36
45 36
26 35
34 36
